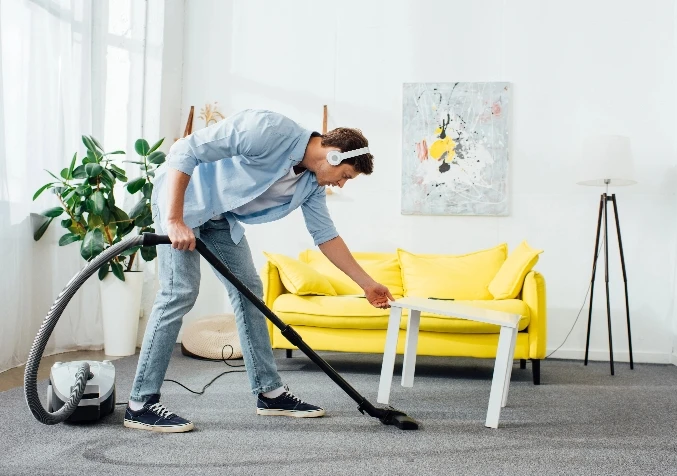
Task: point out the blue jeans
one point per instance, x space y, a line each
179 275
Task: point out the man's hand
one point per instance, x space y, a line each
378 295
181 235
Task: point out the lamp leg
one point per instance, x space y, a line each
592 281
606 279
625 278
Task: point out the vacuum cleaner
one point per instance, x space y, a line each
85 390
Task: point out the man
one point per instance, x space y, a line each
254 167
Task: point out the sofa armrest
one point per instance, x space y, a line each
534 296
272 288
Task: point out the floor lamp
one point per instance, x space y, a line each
607 160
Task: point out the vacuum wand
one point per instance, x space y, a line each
388 416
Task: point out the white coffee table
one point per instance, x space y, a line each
504 355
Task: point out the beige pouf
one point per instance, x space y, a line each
206 338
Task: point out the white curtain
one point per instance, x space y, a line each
67 68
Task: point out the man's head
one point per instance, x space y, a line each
342 139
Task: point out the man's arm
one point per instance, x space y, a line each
179 233
339 254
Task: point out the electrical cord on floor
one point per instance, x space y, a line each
579 312
223 358
218 376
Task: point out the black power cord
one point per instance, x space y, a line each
223 358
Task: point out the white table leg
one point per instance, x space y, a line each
389 353
503 358
410 345
508 374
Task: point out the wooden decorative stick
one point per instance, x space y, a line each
324 120
189 125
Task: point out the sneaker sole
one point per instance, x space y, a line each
161 429
291 413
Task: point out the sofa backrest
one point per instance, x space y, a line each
383 267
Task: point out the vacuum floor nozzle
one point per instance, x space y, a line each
399 419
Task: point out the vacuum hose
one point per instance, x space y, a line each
83 373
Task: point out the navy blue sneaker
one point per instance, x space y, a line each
287 404
155 417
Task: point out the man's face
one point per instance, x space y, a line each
335 175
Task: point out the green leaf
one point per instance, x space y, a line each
103 271
72 166
92 245
120 215
50 173
53 212
108 179
67 223
156 145
115 152
147 190
148 253
41 231
117 169
92 170
151 174
134 162
136 185
106 215
157 157
88 143
145 219
141 146
64 173
99 202
69 195
138 209
42 189
79 172
96 143
117 270
68 238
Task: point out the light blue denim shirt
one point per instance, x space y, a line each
234 161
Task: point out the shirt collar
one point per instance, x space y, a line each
299 149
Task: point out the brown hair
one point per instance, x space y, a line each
347 139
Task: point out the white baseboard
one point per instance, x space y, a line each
624 356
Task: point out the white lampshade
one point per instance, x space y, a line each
606 160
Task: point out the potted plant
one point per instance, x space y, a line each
91 217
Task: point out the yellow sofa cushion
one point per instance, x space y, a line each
345 312
508 281
299 278
460 277
382 267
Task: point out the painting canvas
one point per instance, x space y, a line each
455 148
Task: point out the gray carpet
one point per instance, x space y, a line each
579 421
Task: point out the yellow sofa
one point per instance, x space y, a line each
346 322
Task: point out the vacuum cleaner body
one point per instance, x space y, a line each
98 399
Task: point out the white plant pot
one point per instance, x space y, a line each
121 305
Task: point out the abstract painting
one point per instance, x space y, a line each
455 149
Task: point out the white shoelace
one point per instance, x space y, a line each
294 397
160 410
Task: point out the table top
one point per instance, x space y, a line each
463 311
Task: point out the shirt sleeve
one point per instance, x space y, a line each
319 223
251 134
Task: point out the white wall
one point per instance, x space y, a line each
577 68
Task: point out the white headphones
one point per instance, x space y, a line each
335 157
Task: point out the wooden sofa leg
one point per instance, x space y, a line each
289 353
523 364
536 367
